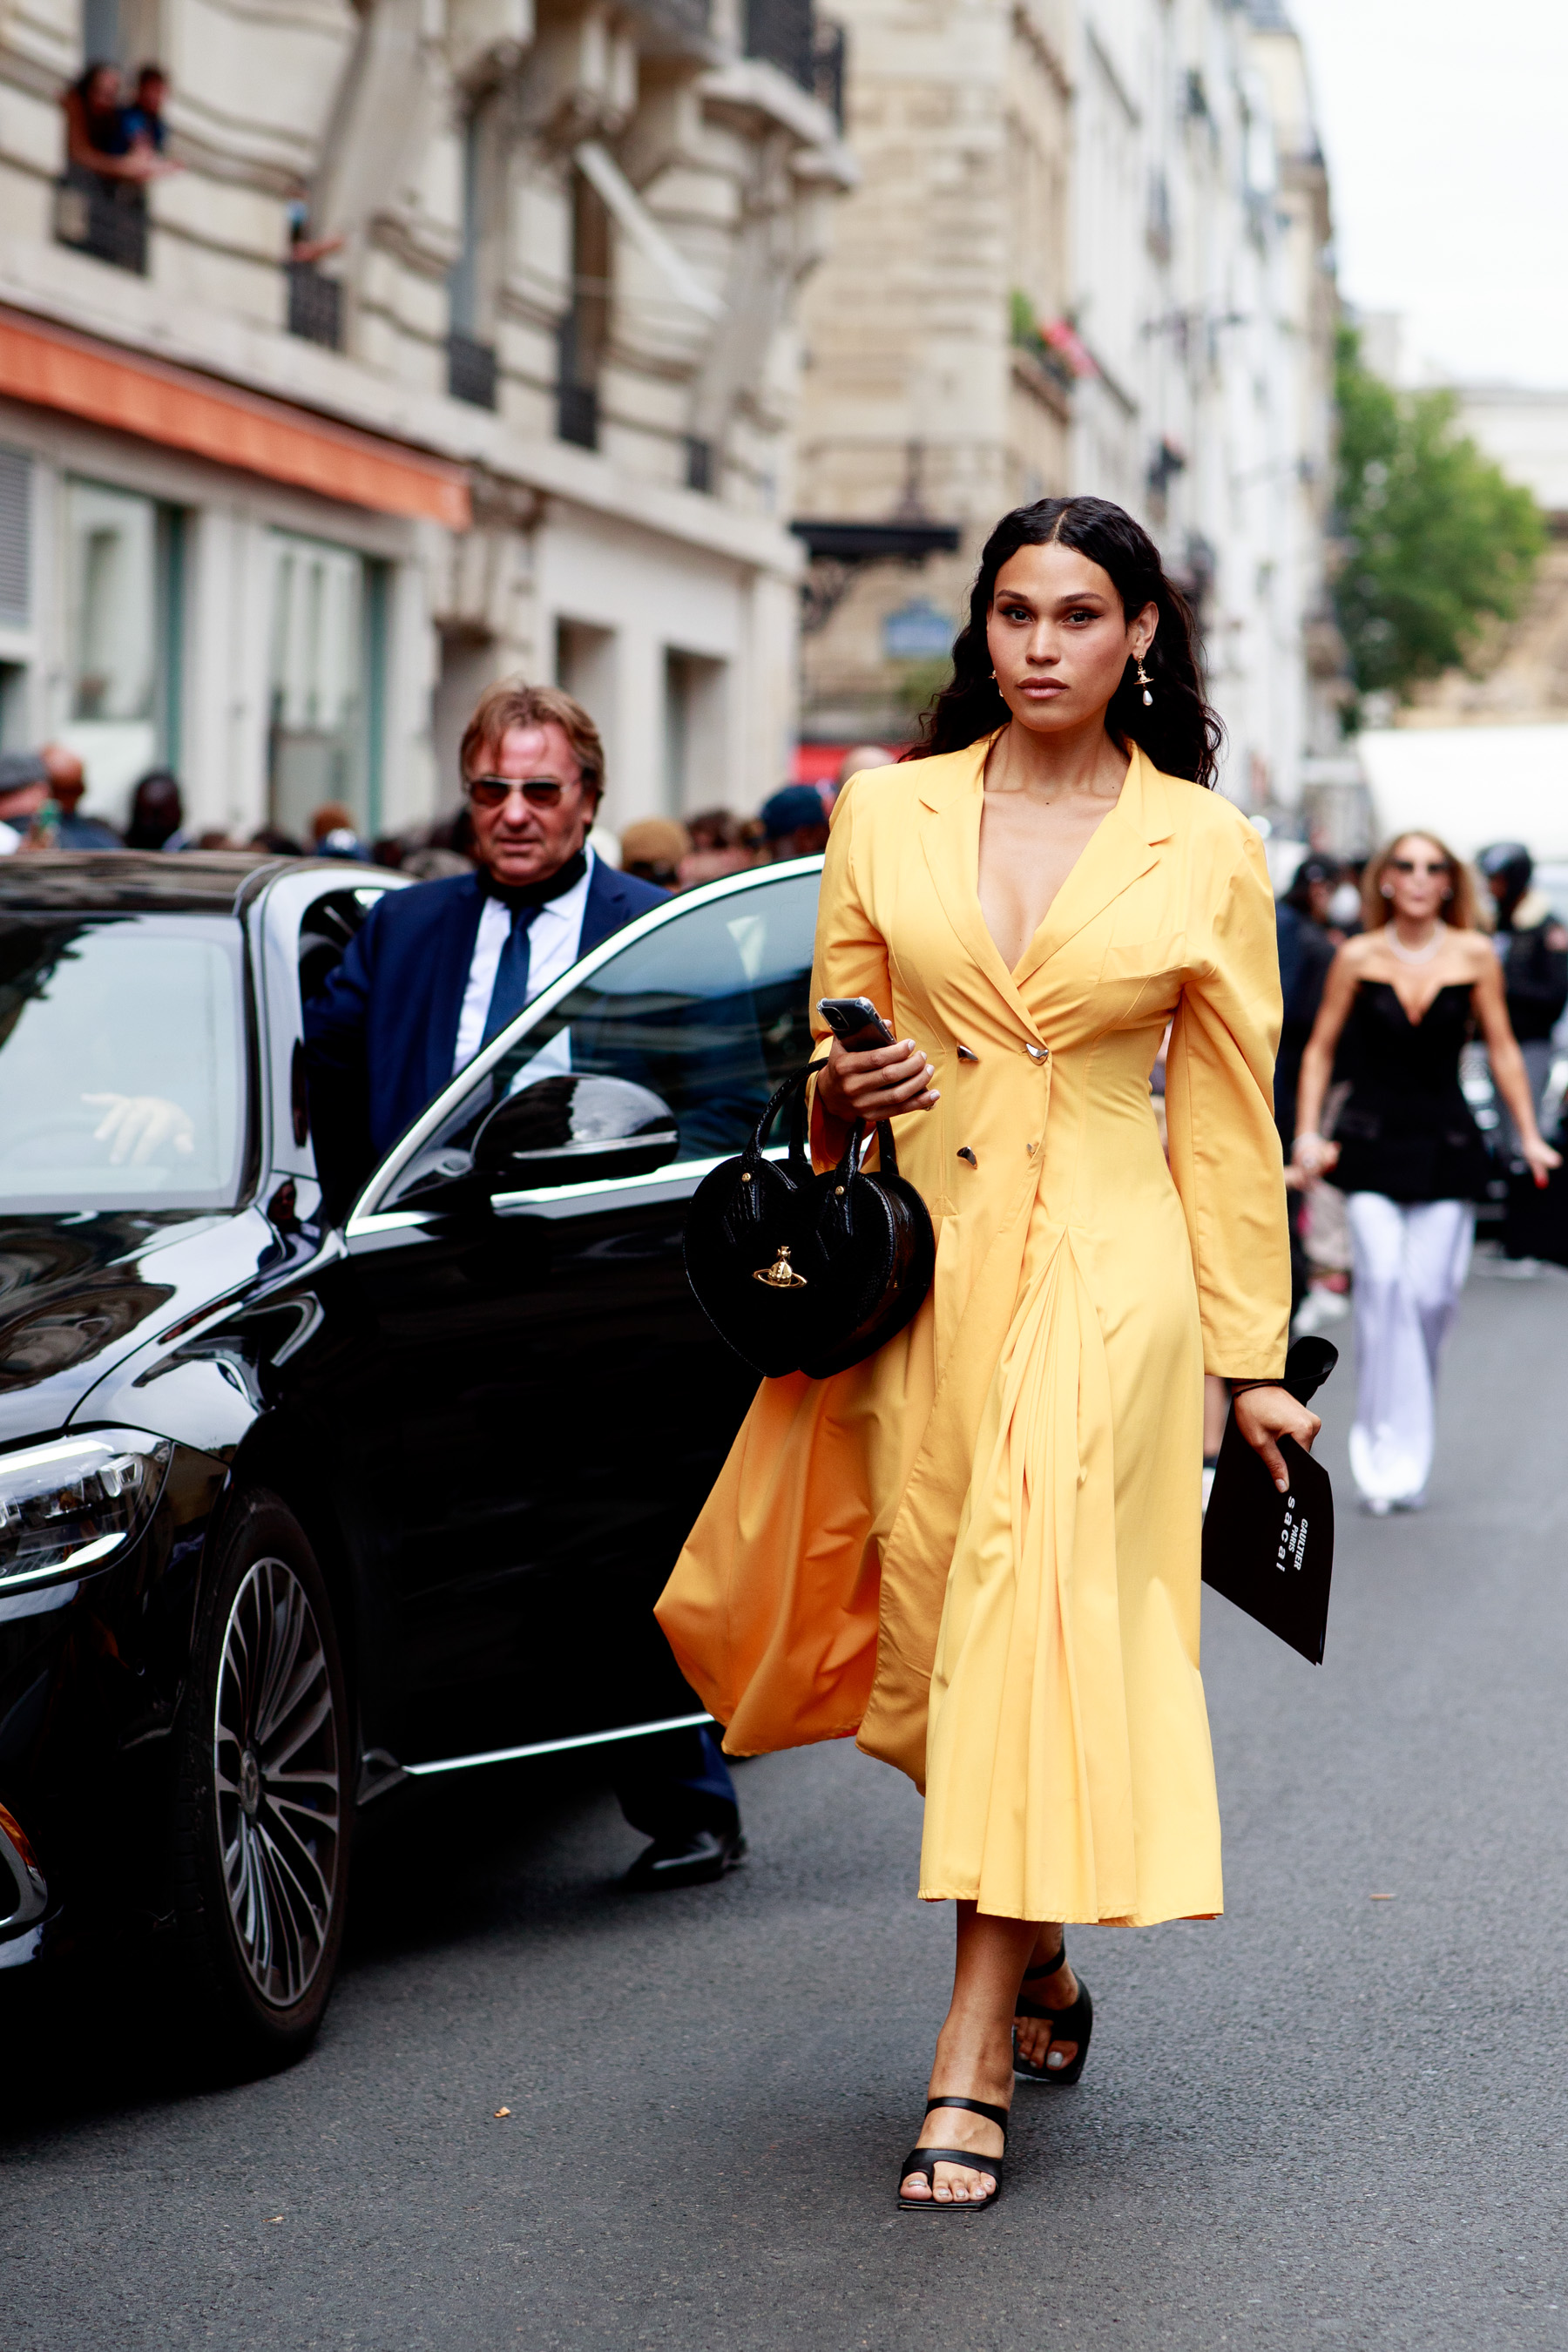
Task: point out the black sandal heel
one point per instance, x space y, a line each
926 2159
1074 2023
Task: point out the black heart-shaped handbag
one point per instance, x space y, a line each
805 1273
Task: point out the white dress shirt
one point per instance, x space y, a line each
553 939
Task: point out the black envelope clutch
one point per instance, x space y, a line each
1270 1553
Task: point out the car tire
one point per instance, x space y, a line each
264 1805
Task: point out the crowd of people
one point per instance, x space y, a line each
1380 993
41 794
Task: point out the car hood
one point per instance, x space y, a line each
81 1290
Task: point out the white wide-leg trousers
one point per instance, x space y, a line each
1410 1262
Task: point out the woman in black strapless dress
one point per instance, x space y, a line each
1406 1153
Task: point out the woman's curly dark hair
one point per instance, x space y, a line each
1178 731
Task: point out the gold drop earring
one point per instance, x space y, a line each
1144 682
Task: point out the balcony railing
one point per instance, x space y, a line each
315 305
829 47
780 32
106 218
576 404
472 371
578 415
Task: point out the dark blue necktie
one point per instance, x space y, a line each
510 993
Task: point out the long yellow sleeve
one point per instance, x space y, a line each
1224 1148
851 958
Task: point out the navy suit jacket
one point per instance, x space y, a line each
380 1037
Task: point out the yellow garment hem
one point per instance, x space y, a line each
1068 1918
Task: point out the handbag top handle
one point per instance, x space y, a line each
792 1091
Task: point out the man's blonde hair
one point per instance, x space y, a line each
513 702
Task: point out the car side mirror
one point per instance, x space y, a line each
574 1129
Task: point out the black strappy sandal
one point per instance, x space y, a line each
1074 2023
926 2159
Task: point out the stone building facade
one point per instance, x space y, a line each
526 403
1090 251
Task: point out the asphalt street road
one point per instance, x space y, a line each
1328 2119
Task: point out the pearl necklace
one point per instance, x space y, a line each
1414 955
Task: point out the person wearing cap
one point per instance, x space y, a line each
24 789
653 848
432 975
1533 948
68 782
795 823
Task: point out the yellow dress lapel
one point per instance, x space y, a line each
1124 847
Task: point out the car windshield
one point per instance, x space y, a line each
121 1062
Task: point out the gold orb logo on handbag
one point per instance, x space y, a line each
781 1275
852 1254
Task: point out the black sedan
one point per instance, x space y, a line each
290 1509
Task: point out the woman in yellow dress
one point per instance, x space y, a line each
978 1551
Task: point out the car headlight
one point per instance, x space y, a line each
72 1504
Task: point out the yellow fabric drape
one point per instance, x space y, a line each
979 1550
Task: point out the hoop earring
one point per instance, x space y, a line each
1144 682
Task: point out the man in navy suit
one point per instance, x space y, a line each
432 975
435 972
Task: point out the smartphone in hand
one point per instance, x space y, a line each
856 1023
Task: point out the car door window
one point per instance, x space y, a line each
709 1009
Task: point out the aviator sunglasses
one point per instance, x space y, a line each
491 792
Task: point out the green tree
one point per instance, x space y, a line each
1435 539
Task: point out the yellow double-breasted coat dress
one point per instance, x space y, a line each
978 1551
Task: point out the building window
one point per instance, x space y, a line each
470 359
15 539
327 685
584 330
699 463
694 687
124 631
16 594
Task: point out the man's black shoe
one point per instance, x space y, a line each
689 1861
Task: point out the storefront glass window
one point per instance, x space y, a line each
123 631
326 685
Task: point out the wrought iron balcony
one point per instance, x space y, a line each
472 371
315 305
106 218
780 32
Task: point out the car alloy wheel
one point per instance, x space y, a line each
277 1774
264 1810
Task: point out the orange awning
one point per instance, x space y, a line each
57 368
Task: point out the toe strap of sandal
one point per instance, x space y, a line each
926 2159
